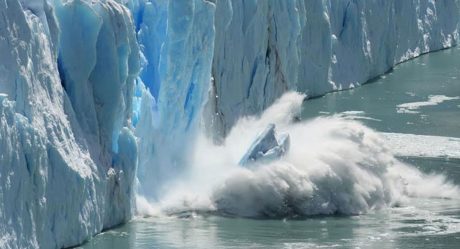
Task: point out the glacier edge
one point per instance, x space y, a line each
265 48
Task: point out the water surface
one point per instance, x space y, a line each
381 105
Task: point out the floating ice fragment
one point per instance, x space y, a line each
266 147
433 100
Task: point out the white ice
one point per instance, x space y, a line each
433 100
264 48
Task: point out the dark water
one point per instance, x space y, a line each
426 223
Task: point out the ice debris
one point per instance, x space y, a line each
266 147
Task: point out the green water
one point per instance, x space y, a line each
426 223
413 81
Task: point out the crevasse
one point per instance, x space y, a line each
95 93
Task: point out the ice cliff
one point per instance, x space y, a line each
177 44
67 153
96 92
264 48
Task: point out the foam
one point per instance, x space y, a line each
334 166
422 145
433 100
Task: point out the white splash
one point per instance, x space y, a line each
334 166
355 115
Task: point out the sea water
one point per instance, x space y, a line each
420 98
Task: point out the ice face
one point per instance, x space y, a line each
177 42
67 153
100 35
264 48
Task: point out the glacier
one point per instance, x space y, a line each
102 102
177 43
264 48
68 155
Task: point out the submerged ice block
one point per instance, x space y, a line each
266 147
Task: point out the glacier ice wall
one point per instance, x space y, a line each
98 51
89 89
264 48
177 44
67 152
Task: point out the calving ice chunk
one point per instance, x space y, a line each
266 147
